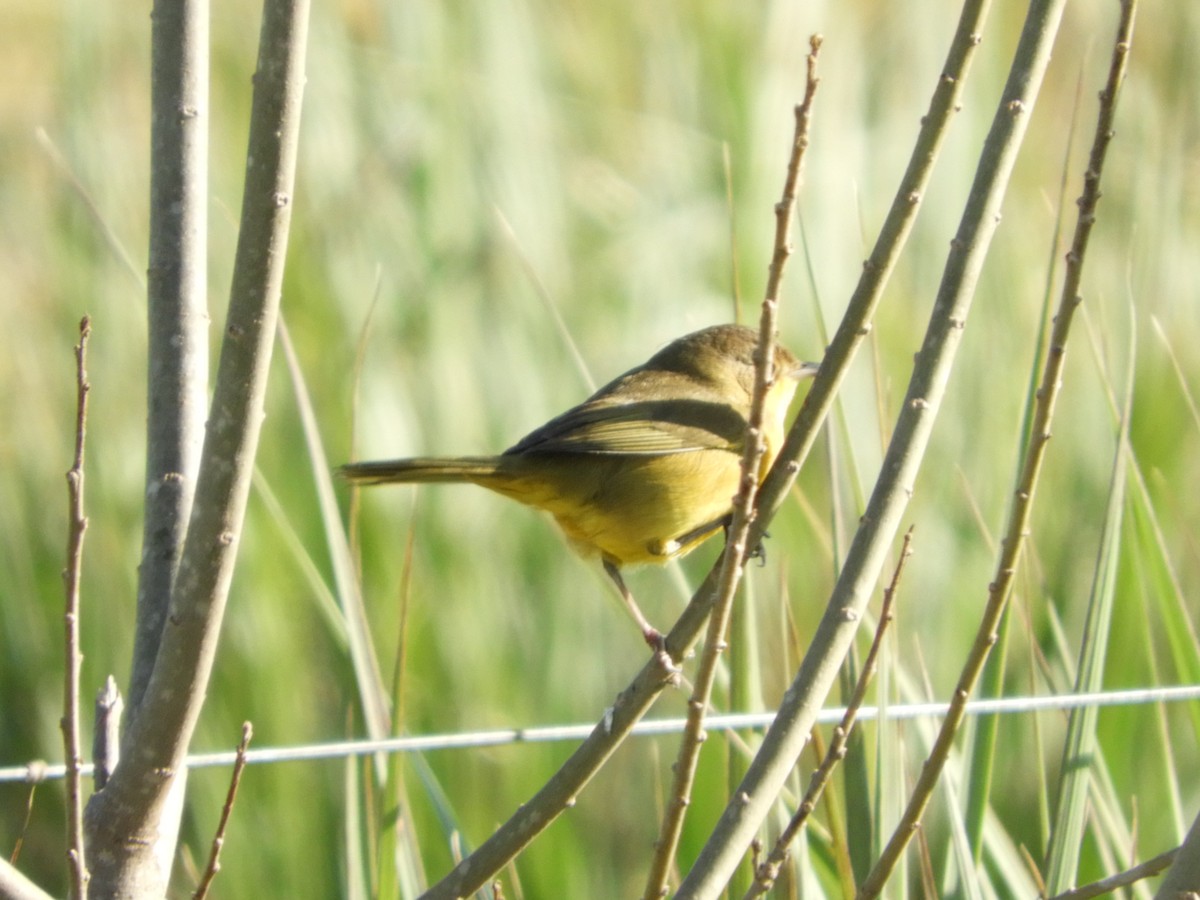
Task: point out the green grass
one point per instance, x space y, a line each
598 136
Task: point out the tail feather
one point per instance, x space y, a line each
421 468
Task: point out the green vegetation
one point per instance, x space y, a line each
460 170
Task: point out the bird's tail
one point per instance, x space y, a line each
421 468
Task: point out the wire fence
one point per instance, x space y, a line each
38 770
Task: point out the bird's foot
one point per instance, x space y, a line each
657 642
759 550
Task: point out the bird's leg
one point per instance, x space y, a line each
651 634
685 540
655 638
758 551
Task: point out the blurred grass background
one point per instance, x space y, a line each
448 152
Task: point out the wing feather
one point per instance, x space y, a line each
639 427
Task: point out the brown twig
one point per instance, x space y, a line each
1018 524
734 558
768 871
1148 869
781 746
76 527
24 830
631 704
214 856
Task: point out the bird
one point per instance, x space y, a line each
646 468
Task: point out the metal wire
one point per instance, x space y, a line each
38 770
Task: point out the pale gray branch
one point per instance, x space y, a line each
177 314
15 886
632 703
131 823
781 747
1184 875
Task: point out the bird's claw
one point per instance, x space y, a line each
759 550
658 643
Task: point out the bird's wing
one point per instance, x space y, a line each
639 427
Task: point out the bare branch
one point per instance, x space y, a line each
1106 886
1184 874
106 742
214 857
15 886
733 560
1018 524
76 527
177 312
768 871
877 268
127 820
785 740
633 702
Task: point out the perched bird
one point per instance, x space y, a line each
646 468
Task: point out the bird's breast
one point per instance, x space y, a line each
629 509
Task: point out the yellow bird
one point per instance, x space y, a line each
645 469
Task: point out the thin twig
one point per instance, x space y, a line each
734 558
1018 524
934 364
76 527
945 102
106 741
631 704
214 856
768 871
24 829
1104 886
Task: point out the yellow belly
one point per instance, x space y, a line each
627 509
